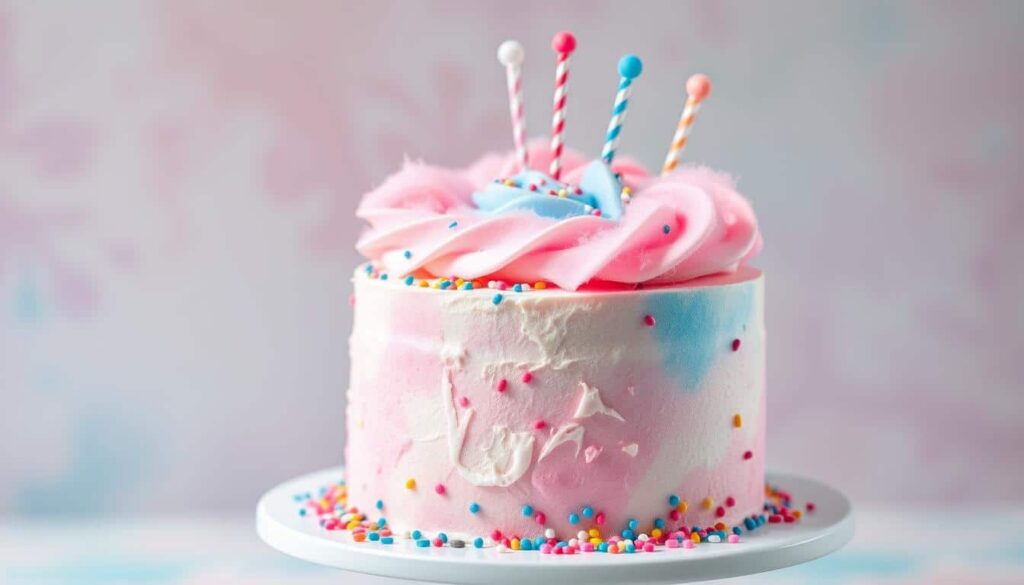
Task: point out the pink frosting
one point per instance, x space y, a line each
711 227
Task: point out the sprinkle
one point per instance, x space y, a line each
379 504
423 543
649 547
673 500
734 538
720 511
659 523
502 385
453 225
540 424
588 512
518 288
540 285
384 276
496 535
474 507
549 532
527 376
730 501
527 510
690 543
496 299
457 543
478 542
416 534
737 420
374 536
445 284
533 187
682 507
410 484
714 538
438 543
541 519
443 537
748 454
735 344
574 518
649 320
707 503
665 229
467 286
440 489
464 402
599 519
810 506
387 540
407 254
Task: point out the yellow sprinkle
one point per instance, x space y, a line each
562 193
708 503
622 545
423 284
594 533
435 284
515 544
695 538
627 190
682 507
540 285
595 541
459 282
410 484
509 182
737 421
655 533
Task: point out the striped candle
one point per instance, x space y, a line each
697 87
630 67
511 54
564 44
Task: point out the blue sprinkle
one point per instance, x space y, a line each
628 534
561 544
737 530
497 298
407 254
630 548
443 537
409 280
603 547
478 542
445 284
453 225
302 511
384 276
518 288
380 504
574 518
673 500
665 229
467 286
749 523
373 536
423 543
474 508
525 544
539 541
382 522
633 524
369 269
659 523
387 540
416 534
588 512
527 510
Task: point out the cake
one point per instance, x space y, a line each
544 345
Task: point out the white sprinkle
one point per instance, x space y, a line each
582 535
714 538
549 533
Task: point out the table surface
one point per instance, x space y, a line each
906 545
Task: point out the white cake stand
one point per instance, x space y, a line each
772 546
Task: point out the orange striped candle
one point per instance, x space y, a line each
697 87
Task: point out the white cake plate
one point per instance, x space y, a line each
772 546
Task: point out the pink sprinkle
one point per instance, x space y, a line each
587 547
688 544
672 543
649 547
748 455
540 518
674 515
496 536
545 548
464 402
501 285
719 511
533 187
539 425
527 376
730 501
596 212
810 506
559 550
438 542
440 489
599 518
735 344
570 550
502 385
734 538
649 320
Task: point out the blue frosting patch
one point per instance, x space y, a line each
532 191
696 327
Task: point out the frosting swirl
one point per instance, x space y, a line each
447 222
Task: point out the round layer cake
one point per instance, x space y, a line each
476 410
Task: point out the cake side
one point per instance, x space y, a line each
476 410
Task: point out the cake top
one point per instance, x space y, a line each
545 214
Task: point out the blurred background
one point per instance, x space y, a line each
177 188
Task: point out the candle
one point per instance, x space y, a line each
630 67
564 43
511 54
697 87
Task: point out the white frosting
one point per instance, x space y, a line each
631 449
591 453
591 404
570 432
507 455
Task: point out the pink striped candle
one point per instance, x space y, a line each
511 54
564 44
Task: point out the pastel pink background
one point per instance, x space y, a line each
178 182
